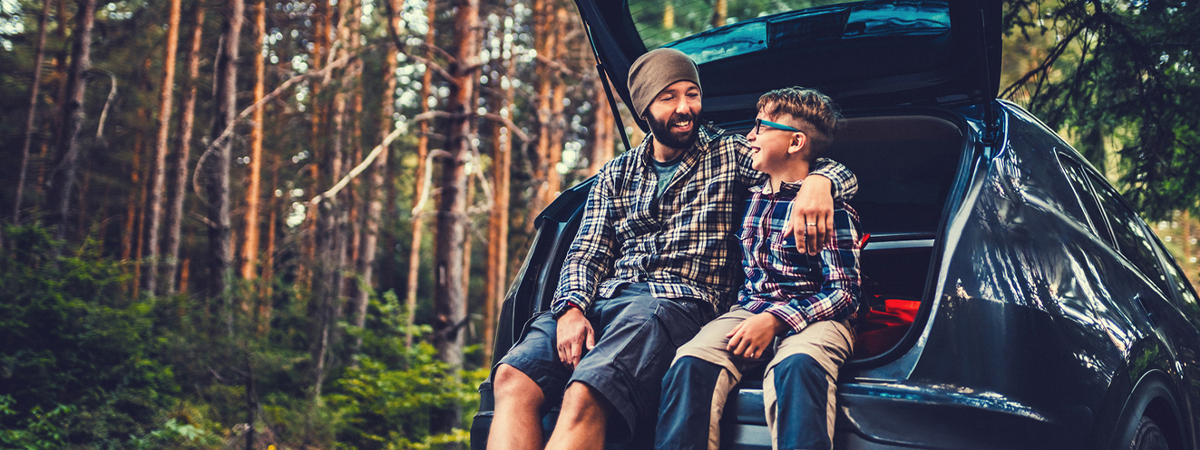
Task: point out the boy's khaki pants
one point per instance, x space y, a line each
798 389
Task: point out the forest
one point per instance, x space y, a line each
270 224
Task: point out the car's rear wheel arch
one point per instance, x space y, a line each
1152 397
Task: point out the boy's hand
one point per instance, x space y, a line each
752 337
812 215
574 335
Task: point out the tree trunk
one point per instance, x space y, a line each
264 306
254 182
68 146
141 186
449 302
160 150
603 125
217 187
129 238
183 143
29 121
450 305
60 80
543 169
375 185
414 252
497 274
322 19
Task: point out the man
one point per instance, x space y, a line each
653 261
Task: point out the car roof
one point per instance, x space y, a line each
863 54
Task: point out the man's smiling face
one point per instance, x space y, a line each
674 115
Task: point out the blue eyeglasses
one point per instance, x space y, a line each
758 123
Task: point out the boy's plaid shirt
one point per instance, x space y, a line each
680 243
793 286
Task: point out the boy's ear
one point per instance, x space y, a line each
799 140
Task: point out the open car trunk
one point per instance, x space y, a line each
906 161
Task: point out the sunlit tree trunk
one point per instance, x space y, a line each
321 20
545 43
217 187
497 275
603 124
179 158
39 53
68 145
414 253
720 13
254 177
165 106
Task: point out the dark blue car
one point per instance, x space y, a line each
1012 298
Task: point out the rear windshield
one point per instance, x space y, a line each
708 30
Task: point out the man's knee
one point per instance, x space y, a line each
511 384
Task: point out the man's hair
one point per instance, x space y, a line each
818 114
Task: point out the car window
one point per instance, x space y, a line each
1187 297
1087 198
680 22
1132 237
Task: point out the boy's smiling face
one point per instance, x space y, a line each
770 147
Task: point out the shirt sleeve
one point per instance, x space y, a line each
840 291
589 260
845 184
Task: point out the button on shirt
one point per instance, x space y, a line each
683 242
793 286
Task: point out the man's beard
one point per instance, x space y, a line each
662 131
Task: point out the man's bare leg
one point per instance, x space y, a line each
582 420
516 424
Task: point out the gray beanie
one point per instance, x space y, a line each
654 71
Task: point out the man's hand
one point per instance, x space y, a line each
574 335
812 215
751 338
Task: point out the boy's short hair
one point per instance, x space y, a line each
818 113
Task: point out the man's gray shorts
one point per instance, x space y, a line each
637 335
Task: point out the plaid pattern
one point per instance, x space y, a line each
795 287
680 243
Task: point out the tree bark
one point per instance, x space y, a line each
375 186
268 277
450 305
497 274
414 252
221 258
160 149
179 159
449 301
603 128
129 238
29 121
254 181
68 146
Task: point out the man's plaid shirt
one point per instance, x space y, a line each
681 243
797 288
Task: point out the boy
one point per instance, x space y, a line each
806 301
